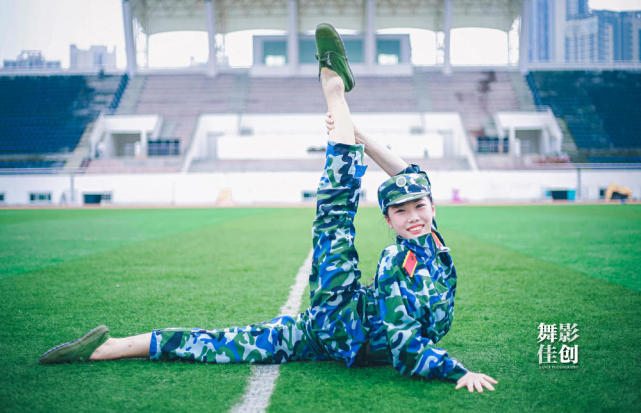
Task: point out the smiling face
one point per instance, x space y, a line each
411 219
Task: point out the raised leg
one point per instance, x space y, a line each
335 314
334 91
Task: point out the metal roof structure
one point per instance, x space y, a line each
297 17
157 16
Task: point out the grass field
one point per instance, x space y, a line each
63 272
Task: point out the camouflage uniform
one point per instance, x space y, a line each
395 321
332 326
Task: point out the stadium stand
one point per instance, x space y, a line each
295 95
302 95
179 99
602 110
175 96
476 95
481 92
27 164
45 116
119 92
36 123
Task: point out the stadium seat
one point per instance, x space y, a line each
48 114
601 108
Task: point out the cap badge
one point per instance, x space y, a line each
401 181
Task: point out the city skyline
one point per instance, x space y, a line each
104 21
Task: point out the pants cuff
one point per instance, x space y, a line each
154 345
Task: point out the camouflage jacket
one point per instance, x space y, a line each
413 294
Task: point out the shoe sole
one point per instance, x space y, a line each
62 352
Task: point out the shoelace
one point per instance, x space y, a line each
326 58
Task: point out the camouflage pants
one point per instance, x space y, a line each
331 327
276 341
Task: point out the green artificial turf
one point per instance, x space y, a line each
33 239
597 240
64 271
191 268
518 267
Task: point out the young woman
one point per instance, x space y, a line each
395 321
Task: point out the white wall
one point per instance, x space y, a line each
287 187
551 134
107 125
295 146
288 136
270 146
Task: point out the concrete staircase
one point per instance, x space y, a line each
81 151
130 97
568 145
422 88
522 91
476 95
165 164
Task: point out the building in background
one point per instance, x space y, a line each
391 49
31 59
569 31
96 58
546 31
577 9
604 36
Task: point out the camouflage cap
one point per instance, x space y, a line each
408 185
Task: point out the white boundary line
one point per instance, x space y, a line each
263 378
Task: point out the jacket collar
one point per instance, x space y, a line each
423 247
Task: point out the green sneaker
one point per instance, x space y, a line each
77 350
331 54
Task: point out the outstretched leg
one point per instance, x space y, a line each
121 348
276 341
97 345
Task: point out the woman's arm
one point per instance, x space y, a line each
381 154
412 352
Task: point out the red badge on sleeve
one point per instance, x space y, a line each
410 263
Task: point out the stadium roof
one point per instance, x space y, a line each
157 16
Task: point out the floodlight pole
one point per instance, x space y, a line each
72 189
512 139
292 36
524 37
210 11
447 28
370 33
129 38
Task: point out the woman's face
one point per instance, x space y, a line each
411 219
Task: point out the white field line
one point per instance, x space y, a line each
263 378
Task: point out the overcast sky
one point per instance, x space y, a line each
52 25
